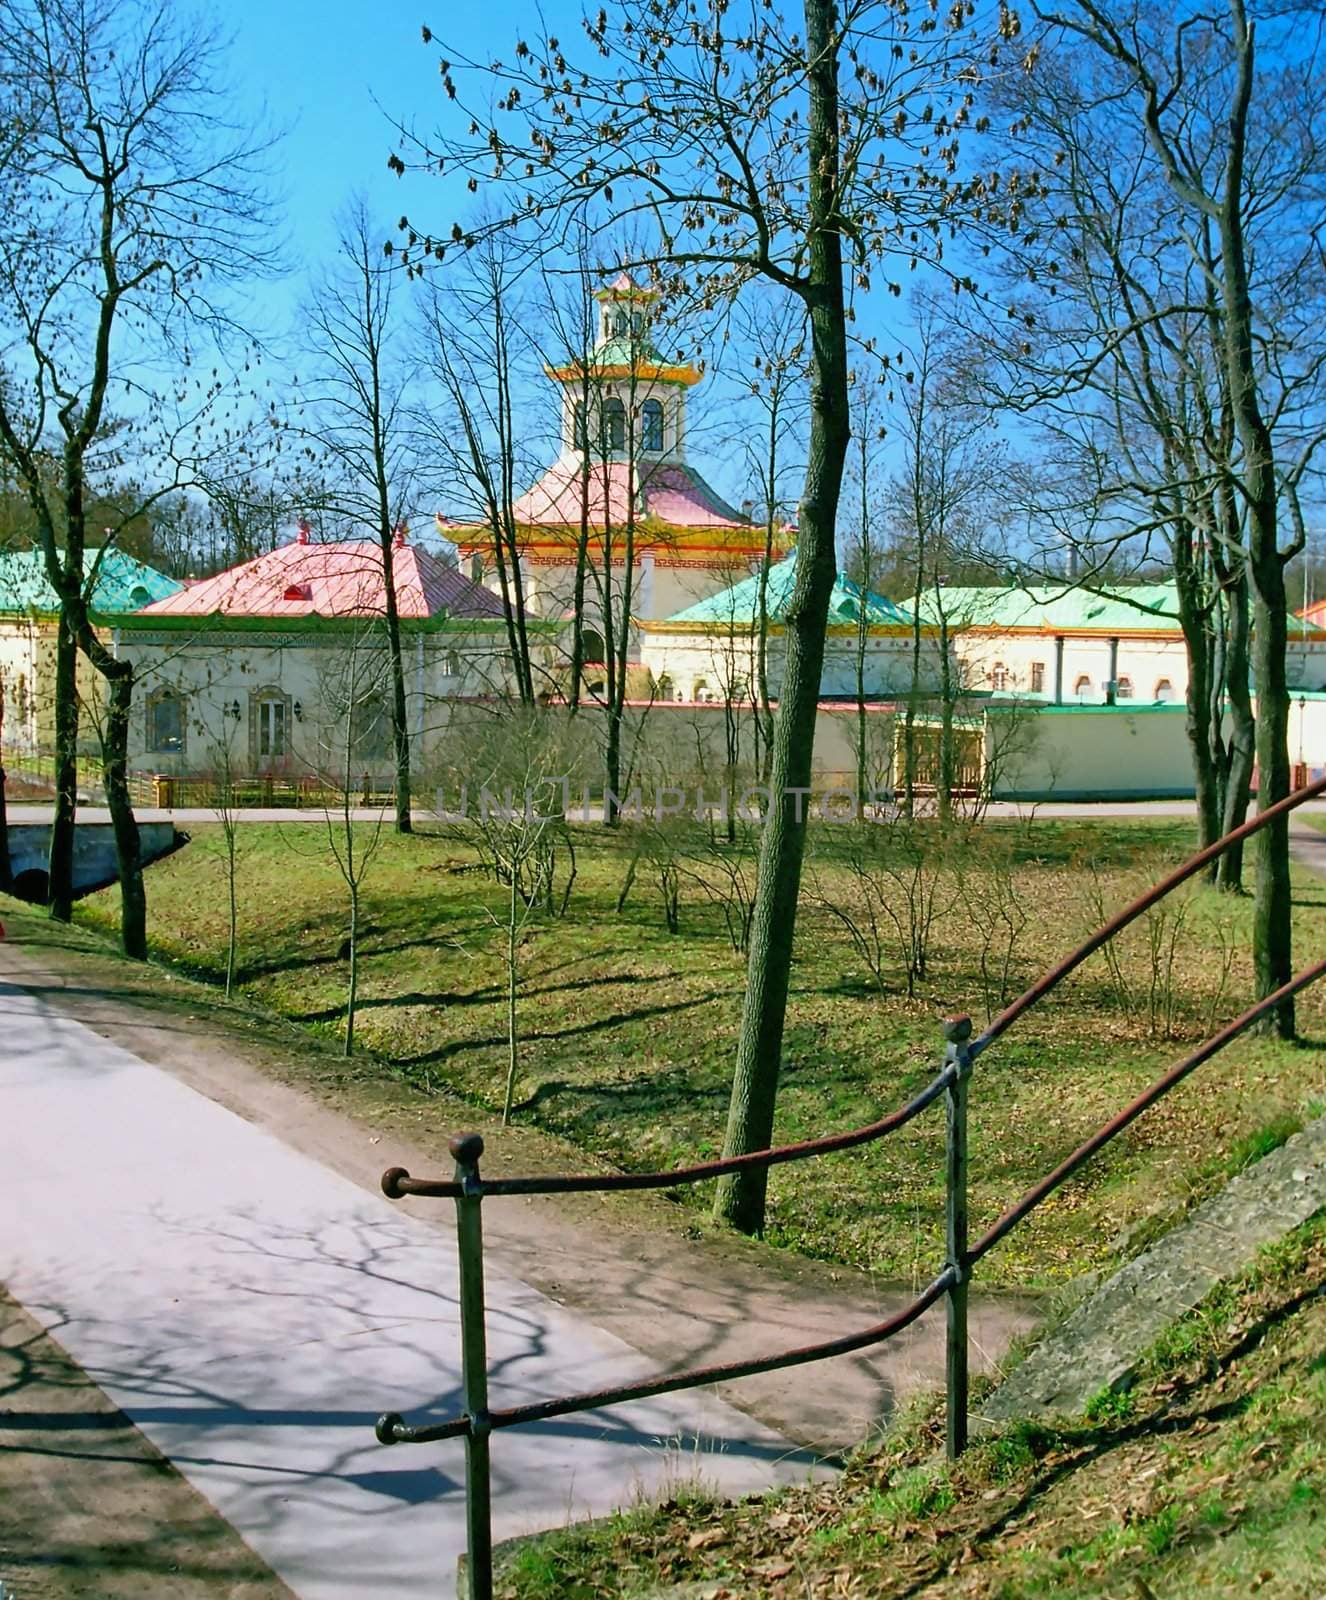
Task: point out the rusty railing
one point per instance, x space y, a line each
469 1190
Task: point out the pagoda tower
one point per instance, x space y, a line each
622 478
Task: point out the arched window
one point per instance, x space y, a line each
614 424
269 725
580 426
999 676
702 692
663 689
651 426
738 692
139 597
1082 687
1123 688
1164 691
591 646
165 722
370 728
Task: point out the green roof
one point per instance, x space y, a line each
122 584
1127 608
740 605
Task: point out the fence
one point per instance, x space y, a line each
951 1084
267 789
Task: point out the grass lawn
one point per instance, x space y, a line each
1208 1478
629 1031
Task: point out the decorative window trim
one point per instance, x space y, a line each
257 698
151 702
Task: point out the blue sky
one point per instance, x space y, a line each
316 70
330 74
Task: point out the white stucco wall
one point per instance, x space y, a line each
715 659
217 672
1067 754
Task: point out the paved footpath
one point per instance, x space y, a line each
253 1312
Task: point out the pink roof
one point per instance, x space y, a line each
669 492
333 580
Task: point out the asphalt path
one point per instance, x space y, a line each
253 1312
1063 810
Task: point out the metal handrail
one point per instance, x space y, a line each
1116 924
469 1190
397 1182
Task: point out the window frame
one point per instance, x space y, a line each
153 704
652 423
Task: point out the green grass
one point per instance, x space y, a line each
629 1032
1213 1483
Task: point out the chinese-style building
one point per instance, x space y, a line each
622 475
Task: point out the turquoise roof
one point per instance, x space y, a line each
122 584
1128 608
740 605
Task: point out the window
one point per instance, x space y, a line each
651 426
663 689
1123 688
1082 687
591 646
581 435
614 424
739 692
271 724
139 597
999 677
451 664
370 727
1038 677
165 722
1164 691
702 692
619 324
637 323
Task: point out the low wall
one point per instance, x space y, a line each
94 853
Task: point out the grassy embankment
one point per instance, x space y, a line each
629 1030
1207 1478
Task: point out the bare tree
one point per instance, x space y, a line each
475 341
353 681
519 766
750 158
772 328
131 202
1228 103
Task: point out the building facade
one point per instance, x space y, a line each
279 667
29 626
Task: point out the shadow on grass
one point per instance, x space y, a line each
617 1019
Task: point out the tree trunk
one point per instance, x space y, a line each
741 1196
6 870
947 763
400 727
1201 702
513 1059
1272 936
118 676
60 865
352 994
128 852
1243 732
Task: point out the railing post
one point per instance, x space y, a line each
957 1053
467 1148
